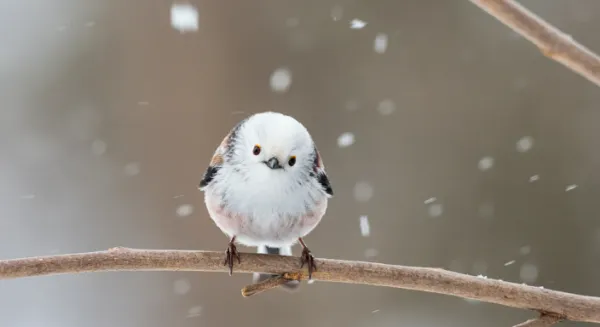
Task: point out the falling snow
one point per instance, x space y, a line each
525 250
370 109
485 163
363 192
525 144
185 210
194 312
357 24
184 18
435 209
528 273
345 140
381 42
182 286
132 169
98 147
281 79
365 229
386 107
430 200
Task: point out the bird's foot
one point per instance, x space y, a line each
230 254
307 259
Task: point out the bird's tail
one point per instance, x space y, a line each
289 286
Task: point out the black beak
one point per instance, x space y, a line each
273 163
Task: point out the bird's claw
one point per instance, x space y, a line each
230 254
308 259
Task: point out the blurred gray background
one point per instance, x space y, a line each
463 146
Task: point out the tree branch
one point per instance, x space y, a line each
434 280
552 42
264 285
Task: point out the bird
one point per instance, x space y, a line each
266 187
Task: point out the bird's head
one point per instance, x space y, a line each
273 144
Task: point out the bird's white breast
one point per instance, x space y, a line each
265 207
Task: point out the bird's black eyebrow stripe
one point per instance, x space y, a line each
209 175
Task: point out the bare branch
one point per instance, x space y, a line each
550 40
434 280
543 320
266 284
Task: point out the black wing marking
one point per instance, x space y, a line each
208 176
324 181
320 174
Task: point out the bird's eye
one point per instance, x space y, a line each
292 161
256 150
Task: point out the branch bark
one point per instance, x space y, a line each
265 285
555 303
552 42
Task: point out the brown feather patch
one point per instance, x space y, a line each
216 160
223 144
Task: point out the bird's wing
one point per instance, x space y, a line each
320 173
221 153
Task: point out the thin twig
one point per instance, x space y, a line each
264 285
543 320
550 40
434 280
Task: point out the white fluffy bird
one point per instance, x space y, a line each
266 186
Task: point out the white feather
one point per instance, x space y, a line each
285 250
262 249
